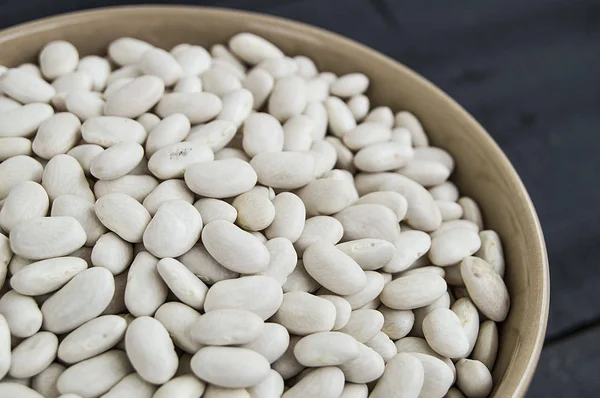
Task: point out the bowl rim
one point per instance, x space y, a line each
51 22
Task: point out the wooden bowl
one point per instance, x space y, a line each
483 171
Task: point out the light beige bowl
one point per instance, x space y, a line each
483 171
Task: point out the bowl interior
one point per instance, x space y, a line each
482 171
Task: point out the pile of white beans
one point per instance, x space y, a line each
232 223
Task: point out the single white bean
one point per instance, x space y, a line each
272 342
43 237
46 276
363 325
253 49
367 367
92 338
413 291
56 135
227 327
294 312
473 378
334 269
486 288
33 355
341 119
83 298
220 178
409 121
369 254
21 313
234 248
135 97
491 250
260 83
326 382
150 350
318 114
257 293
369 221
145 290
486 347
182 282
25 201
327 196
82 378
173 230
25 87
403 377
14 389
197 107
14 146
444 333
220 81
107 131
359 106
123 215
136 186
246 367
178 318
84 104
186 386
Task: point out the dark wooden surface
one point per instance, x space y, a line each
529 71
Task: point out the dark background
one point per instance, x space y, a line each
529 71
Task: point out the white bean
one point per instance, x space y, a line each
334 269
47 275
174 229
150 350
367 367
220 178
187 386
403 377
246 367
253 49
92 338
82 378
135 97
182 282
25 87
326 382
341 119
227 327
56 135
302 313
83 298
413 291
486 288
21 313
26 200
123 215
145 290
197 107
257 293
272 342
